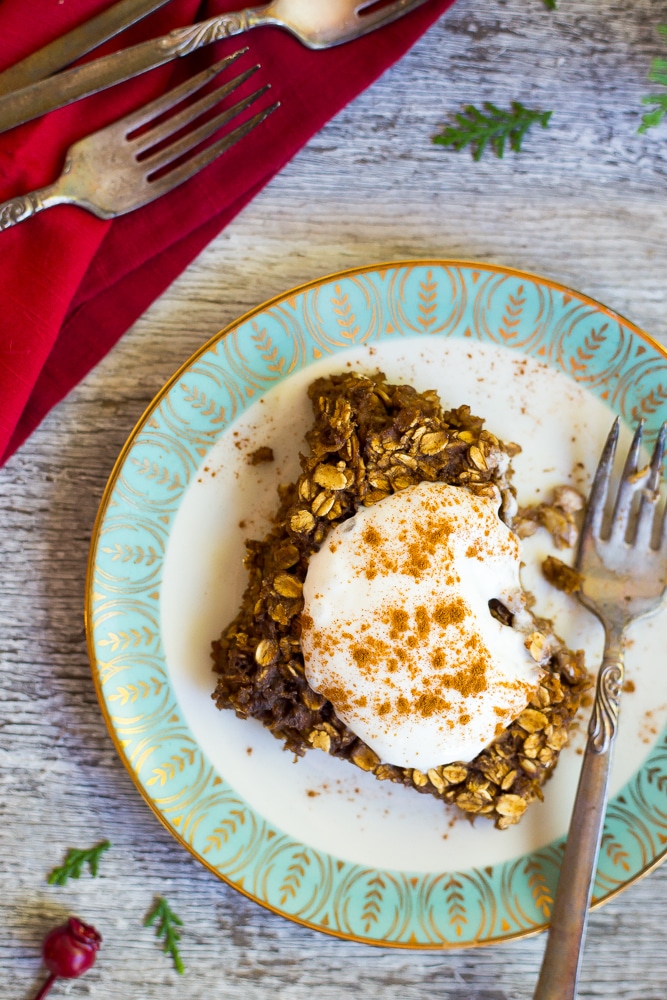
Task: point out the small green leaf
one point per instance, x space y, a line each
492 126
549 4
167 924
657 74
75 859
653 118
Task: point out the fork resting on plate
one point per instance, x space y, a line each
622 561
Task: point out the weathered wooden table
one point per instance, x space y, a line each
582 204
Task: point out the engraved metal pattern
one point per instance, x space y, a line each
17 209
183 41
413 300
604 718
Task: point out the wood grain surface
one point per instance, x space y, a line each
583 204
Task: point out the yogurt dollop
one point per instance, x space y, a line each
396 628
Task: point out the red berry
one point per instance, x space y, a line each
69 951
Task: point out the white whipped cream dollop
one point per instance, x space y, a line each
397 632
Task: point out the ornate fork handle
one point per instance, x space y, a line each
24 206
183 41
562 957
604 719
17 209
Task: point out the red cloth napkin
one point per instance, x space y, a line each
71 284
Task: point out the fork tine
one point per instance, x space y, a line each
173 97
188 169
198 135
658 458
600 488
188 114
651 494
628 487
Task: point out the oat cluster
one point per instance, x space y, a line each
558 517
370 439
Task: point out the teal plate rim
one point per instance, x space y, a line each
595 346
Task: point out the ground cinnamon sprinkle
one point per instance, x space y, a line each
379 560
431 537
370 655
340 695
423 622
371 537
362 656
468 682
417 562
428 704
399 619
452 613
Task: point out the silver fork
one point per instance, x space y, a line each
104 173
318 24
623 565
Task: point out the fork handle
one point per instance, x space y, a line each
91 77
24 206
562 958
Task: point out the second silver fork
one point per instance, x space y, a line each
126 165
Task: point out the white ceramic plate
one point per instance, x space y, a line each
319 840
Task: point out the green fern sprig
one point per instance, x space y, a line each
491 127
657 74
75 859
167 927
